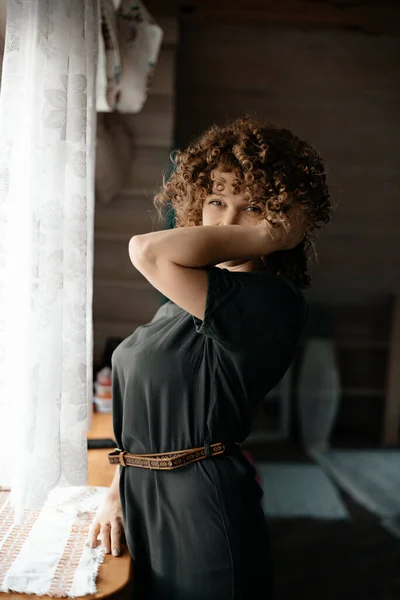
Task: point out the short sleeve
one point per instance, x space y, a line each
251 309
117 404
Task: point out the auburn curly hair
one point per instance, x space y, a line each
272 165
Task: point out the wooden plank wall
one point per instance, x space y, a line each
123 299
339 89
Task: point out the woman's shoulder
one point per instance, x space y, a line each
278 295
250 306
264 286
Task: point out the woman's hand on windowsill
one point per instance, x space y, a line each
110 526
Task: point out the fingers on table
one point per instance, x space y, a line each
116 537
94 532
105 537
111 536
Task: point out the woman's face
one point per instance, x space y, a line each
223 207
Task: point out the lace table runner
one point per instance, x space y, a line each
48 554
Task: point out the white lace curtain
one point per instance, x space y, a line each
47 161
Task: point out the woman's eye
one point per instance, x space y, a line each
215 202
255 209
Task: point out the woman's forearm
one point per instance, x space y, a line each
204 245
113 490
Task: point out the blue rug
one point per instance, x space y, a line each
293 490
392 526
371 477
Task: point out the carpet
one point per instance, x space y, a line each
392 525
371 477
293 490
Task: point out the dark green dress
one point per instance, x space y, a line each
198 532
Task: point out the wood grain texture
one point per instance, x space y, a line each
122 298
148 164
100 472
125 301
154 125
337 89
169 25
127 215
372 17
163 83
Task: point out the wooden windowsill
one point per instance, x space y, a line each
100 470
114 579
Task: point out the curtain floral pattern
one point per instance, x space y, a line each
47 163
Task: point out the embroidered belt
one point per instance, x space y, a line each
166 461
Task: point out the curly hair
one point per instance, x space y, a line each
272 166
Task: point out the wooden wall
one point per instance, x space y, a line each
338 89
123 299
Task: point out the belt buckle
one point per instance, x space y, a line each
119 455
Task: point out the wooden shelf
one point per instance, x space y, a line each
366 392
361 345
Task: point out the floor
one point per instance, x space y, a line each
316 560
325 560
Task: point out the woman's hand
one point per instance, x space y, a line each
110 526
287 239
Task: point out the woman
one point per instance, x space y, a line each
246 197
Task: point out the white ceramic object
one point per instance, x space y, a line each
103 405
318 394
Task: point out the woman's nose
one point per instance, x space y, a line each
231 218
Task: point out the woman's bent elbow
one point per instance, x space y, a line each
139 250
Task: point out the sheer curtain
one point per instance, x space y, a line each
47 161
